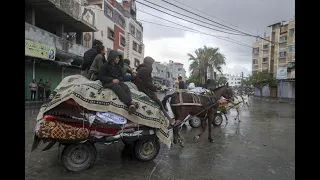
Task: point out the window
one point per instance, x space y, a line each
136 62
108 11
291 31
255 61
140 48
132 30
110 34
265 46
265 60
134 46
283 38
179 69
255 50
138 34
122 22
231 82
282 54
291 48
238 82
122 40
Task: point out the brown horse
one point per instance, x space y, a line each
203 106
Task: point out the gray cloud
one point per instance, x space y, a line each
252 15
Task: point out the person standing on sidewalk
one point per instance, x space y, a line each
47 89
40 90
33 89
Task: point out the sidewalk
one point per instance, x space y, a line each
33 103
277 100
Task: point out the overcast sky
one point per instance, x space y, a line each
251 16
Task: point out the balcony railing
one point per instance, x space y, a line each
65 48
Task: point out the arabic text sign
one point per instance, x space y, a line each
282 73
35 49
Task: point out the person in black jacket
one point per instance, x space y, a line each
144 83
111 76
182 85
89 57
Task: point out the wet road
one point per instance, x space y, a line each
261 146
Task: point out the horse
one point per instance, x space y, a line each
237 102
184 104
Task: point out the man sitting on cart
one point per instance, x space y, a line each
111 76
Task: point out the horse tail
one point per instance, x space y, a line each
165 99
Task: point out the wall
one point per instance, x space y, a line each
41 36
102 24
265 91
287 91
129 52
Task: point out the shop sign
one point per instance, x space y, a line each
35 49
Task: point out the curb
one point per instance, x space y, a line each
271 100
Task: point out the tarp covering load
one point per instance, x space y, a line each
99 103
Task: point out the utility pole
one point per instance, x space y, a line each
241 83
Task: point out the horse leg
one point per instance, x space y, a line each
238 115
225 116
203 128
175 134
210 120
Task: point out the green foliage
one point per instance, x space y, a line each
222 80
204 58
261 79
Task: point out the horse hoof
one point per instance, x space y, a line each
196 138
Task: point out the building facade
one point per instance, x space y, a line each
54 40
232 79
118 28
168 72
279 51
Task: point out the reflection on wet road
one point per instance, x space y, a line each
261 146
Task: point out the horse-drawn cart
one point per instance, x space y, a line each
81 113
218 119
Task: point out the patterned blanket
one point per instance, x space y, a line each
91 95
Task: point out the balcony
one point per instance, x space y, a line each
68 12
265 66
255 67
66 50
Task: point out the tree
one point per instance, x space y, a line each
222 80
205 58
261 79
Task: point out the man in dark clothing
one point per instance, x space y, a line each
182 85
145 84
40 90
111 76
89 57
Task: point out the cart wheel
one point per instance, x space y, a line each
78 157
217 121
195 122
146 150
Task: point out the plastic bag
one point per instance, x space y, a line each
108 117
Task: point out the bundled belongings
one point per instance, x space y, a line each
81 112
89 97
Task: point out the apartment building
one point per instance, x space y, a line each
118 28
54 45
168 72
280 53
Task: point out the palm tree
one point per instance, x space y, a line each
206 58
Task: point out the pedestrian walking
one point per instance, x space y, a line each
33 89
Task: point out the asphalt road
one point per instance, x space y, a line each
261 146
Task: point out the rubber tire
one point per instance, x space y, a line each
138 145
215 116
193 124
68 149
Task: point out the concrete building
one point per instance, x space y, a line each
233 79
280 53
118 28
168 72
54 39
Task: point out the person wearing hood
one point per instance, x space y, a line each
144 83
89 57
111 76
98 61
